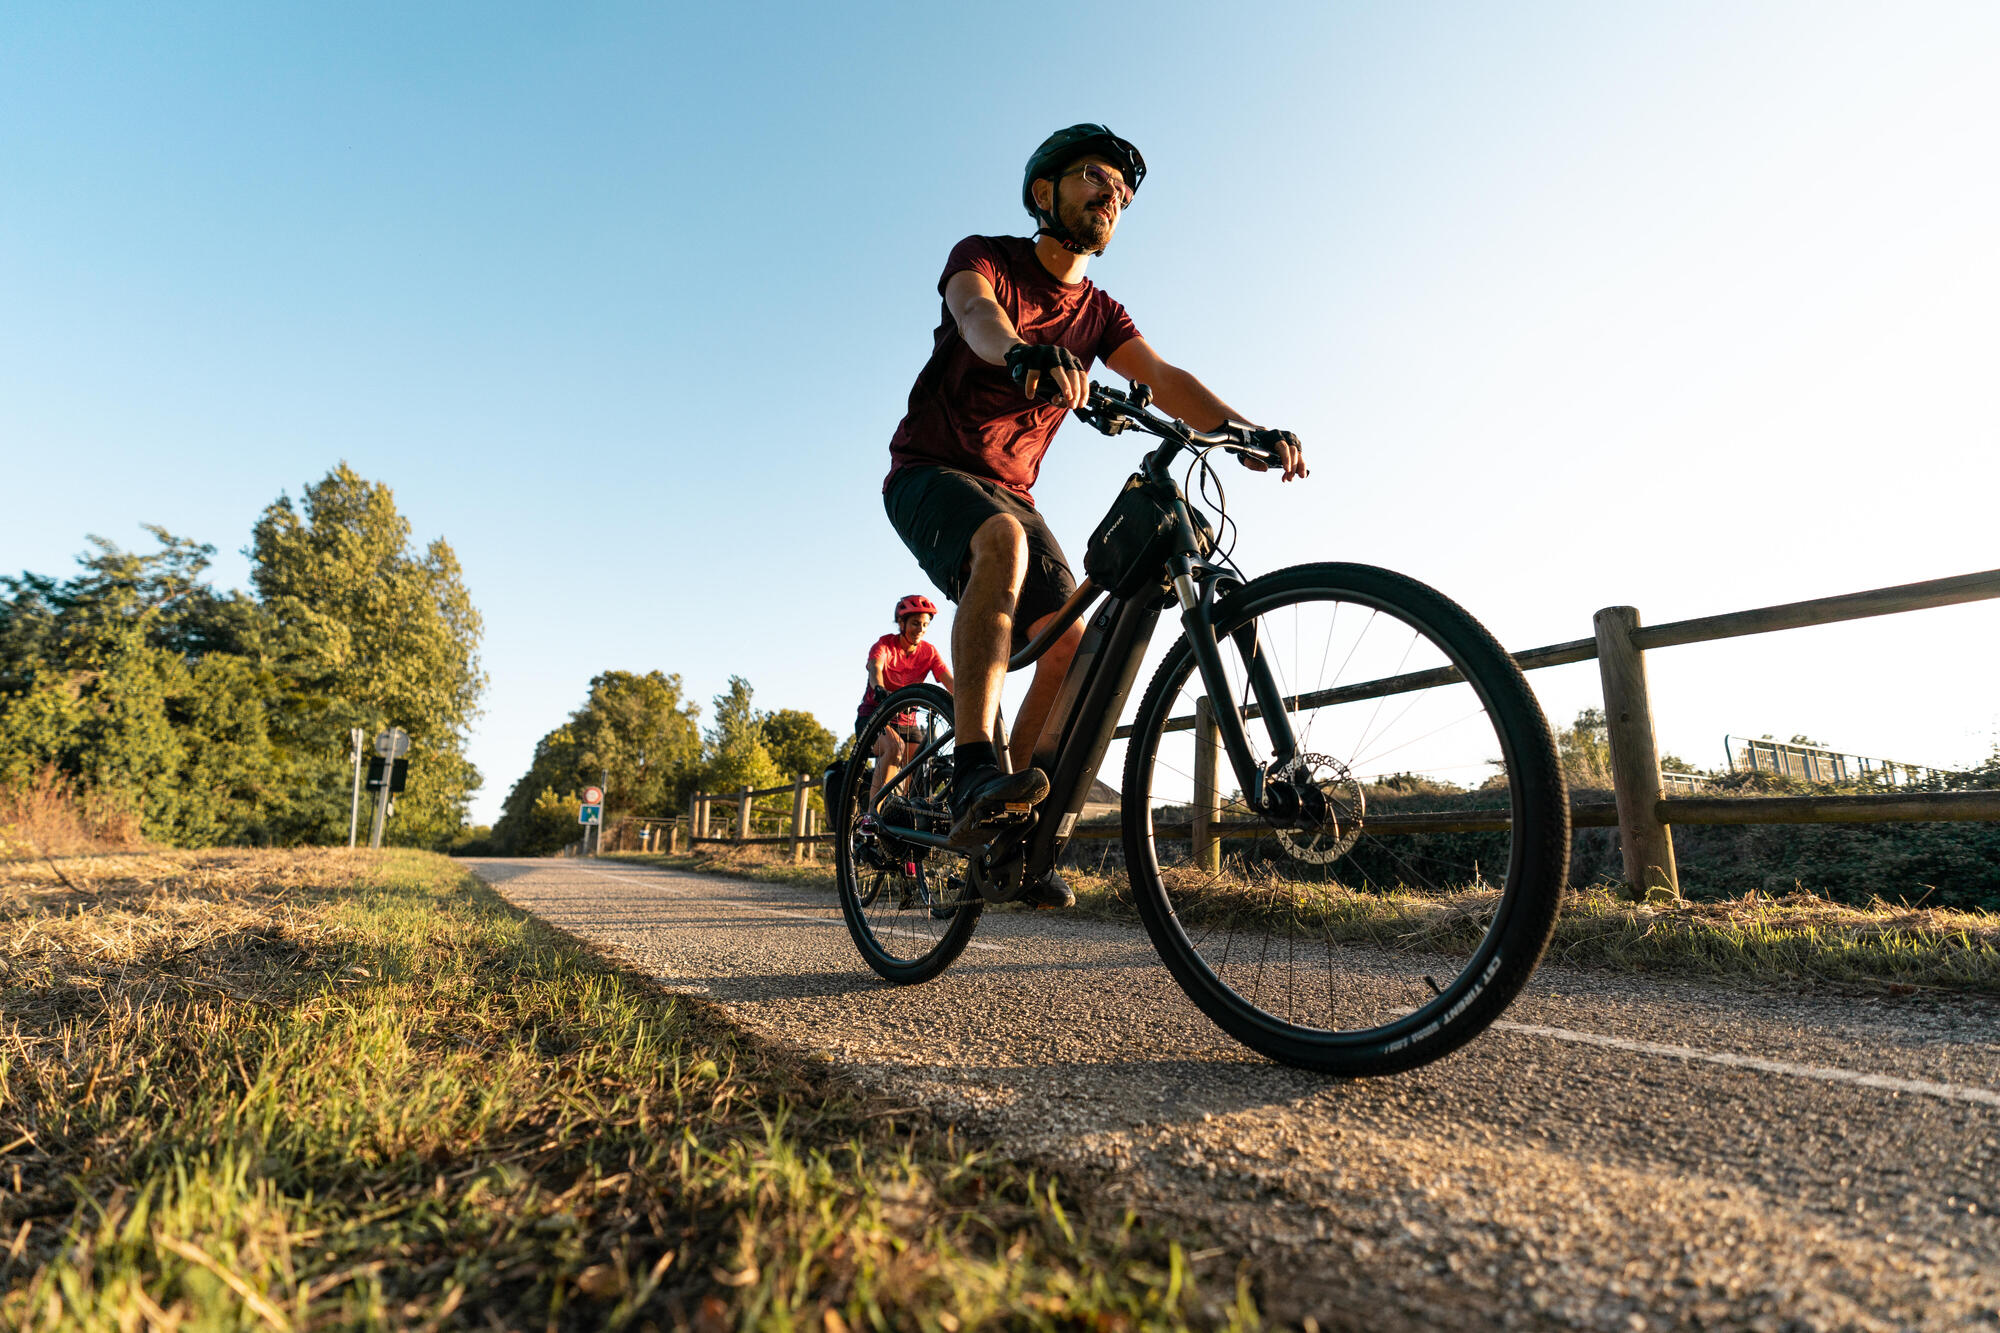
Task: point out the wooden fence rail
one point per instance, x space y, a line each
799 837
1642 812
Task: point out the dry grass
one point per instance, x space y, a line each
1796 937
1753 939
48 815
342 1090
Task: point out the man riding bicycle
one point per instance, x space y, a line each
1020 329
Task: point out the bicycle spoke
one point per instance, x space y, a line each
1375 924
902 908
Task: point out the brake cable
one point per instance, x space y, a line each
1219 503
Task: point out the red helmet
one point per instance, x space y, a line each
913 605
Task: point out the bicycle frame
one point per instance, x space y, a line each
1073 742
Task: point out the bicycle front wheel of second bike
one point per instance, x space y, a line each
1400 923
907 905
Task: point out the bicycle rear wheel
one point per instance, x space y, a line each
1400 924
906 905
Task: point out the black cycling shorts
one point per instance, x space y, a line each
935 510
908 731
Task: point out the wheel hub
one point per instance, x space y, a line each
1324 802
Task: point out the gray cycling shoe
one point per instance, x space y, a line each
988 797
1051 890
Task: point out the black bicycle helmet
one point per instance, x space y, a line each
1057 152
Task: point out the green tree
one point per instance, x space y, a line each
1584 748
736 756
367 631
641 736
797 742
139 680
637 734
549 824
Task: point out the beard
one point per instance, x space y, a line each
1090 227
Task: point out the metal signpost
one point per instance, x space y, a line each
357 735
590 813
391 745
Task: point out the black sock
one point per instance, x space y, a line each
970 755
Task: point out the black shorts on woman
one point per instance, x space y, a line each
936 510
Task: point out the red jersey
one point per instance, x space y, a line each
900 667
969 415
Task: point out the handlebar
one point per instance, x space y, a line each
1111 412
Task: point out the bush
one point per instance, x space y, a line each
48 815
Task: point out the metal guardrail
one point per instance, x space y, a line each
1818 763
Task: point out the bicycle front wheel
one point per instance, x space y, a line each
1400 919
907 905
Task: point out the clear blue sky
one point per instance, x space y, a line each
1689 306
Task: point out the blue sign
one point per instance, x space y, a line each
590 814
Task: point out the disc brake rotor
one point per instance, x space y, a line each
1345 807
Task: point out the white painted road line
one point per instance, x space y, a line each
1953 1092
793 913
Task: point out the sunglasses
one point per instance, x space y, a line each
1100 177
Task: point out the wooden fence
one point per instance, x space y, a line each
1641 812
797 818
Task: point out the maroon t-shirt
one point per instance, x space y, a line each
970 415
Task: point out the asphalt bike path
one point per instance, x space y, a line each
1620 1152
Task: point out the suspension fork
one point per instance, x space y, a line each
1198 624
1264 688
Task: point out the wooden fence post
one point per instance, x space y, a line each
694 816
812 830
1207 800
743 814
798 818
1647 844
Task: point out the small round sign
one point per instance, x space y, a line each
593 796
393 743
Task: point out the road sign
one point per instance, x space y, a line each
396 770
393 743
593 796
590 814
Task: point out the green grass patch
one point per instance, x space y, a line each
324 1090
1755 938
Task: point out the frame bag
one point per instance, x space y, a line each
1129 550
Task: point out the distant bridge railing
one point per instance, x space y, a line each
1817 763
